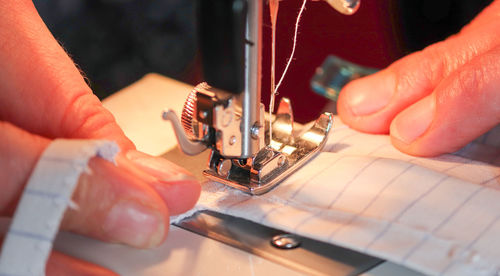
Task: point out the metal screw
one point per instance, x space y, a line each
281 161
203 114
224 167
232 140
285 241
254 131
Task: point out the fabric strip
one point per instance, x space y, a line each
36 221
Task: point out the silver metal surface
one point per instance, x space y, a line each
347 7
186 145
250 99
228 136
283 123
187 116
285 241
265 164
194 129
224 167
311 257
268 168
270 165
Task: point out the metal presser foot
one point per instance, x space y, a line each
211 119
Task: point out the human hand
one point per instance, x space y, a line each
437 100
43 97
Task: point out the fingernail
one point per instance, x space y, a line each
134 224
159 167
370 94
414 121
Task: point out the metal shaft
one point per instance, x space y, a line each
250 101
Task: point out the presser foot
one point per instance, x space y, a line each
285 153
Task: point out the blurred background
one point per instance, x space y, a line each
116 42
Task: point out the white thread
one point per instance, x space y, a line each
294 44
275 92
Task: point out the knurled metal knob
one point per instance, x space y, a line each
188 115
188 112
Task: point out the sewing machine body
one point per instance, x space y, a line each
226 114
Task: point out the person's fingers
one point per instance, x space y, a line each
19 152
61 265
488 16
463 106
370 104
178 188
115 204
42 91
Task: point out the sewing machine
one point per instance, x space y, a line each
225 115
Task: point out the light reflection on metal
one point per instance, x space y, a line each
283 122
285 128
347 7
275 145
288 150
313 137
188 146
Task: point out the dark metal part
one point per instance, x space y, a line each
222 29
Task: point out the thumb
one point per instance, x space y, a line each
114 204
371 103
463 106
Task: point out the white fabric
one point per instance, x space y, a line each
36 221
435 215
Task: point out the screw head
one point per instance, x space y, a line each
203 114
281 160
224 167
232 140
285 241
255 131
